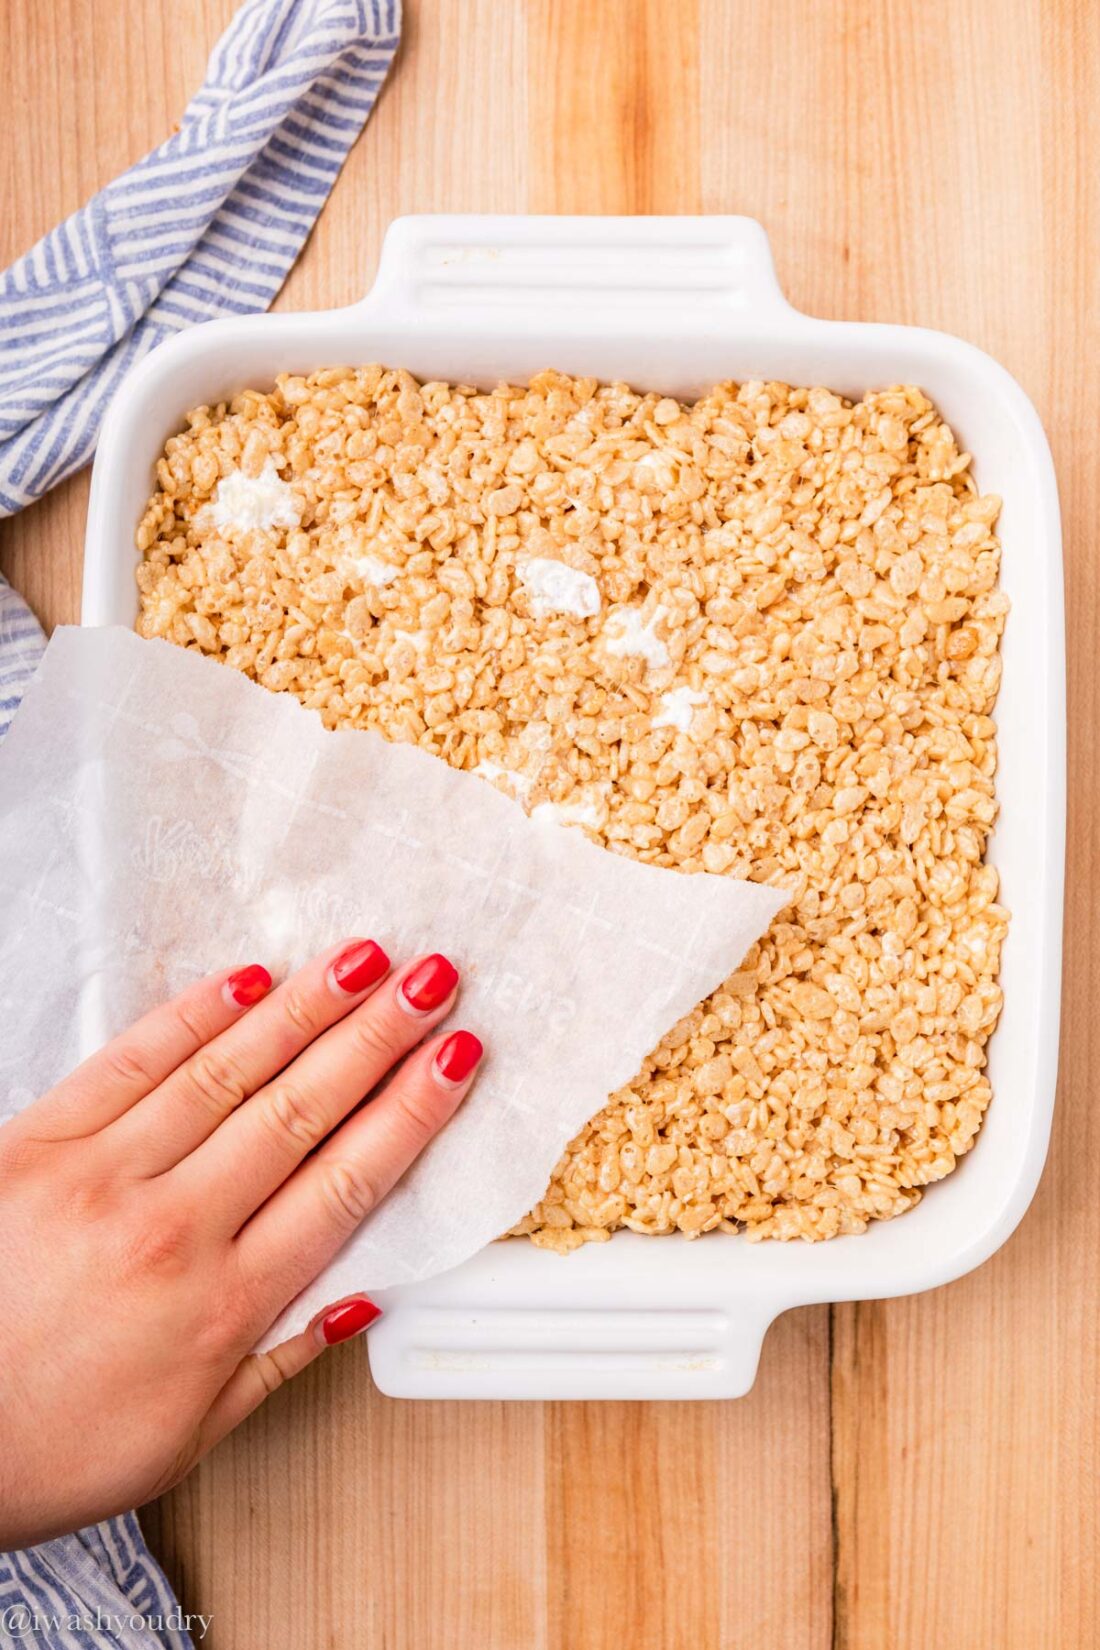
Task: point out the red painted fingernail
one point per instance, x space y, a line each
360 966
350 1319
458 1056
247 985
430 983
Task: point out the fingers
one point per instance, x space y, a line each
265 1140
106 1086
262 1373
206 1088
295 1235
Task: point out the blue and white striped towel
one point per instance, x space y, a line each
22 645
206 225
99 1587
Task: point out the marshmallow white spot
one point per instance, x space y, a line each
555 587
372 569
519 783
627 633
655 471
417 639
248 504
678 707
588 811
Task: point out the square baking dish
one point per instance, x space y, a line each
675 304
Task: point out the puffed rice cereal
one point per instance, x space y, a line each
755 635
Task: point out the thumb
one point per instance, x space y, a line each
262 1373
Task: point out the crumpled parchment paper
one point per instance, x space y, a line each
161 816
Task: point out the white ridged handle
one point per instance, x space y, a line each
475 1349
470 274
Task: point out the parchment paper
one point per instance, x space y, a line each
161 816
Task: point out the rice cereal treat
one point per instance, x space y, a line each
757 636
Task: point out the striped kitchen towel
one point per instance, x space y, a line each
101 1587
207 224
22 645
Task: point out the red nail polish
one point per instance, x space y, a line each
430 983
350 1319
360 966
458 1056
248 985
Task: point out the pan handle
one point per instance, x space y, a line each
471 274
434 1345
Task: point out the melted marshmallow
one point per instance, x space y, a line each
678 707
589 810
567 813
249 504
372 569
417 639
520 783
627 633
555 587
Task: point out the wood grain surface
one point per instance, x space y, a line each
919 1474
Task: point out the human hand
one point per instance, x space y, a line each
162 1205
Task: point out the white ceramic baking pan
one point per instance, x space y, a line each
674 304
